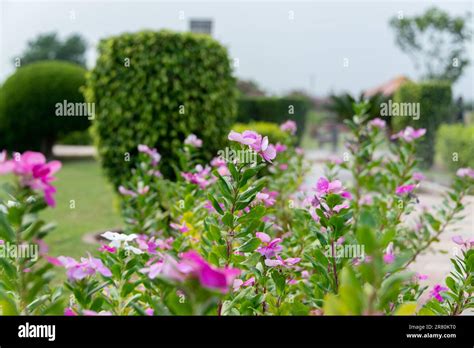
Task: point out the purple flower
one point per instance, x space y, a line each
289 126
200 177
153 153
280 147
193 140
238 283
269 247
417 176
246 138
192 266
436 292
87 267
409 134
266 197
468 243
389 257
404 189
34 172
126 192
280 262
183 228
324 186
377 123
463 172
258 143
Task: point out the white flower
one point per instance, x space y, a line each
120 239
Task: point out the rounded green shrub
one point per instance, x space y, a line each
156 88
29 105
455 146
269 129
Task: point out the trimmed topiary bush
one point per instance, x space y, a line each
156 88
28 105
276 110
269 129
435 98
455 146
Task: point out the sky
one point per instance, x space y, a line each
319 46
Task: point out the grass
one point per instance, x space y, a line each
80 183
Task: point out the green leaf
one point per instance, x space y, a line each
6 231
280 282
215 204
228 219
250 245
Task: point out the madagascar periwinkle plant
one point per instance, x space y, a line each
245 235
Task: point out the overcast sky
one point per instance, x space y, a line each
280 53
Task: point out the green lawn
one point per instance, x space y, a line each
94 211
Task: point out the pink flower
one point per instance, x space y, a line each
149 311
404 189
246 138
87 267
266 197
126 192
299 151
366 200
238 283
5 165
193 266
417 176
463 172
346 195
142 190
193 140
409 134
468 243
324 186
264 149
181 228
339 207
420 276
258 143
68 312
34 172
289 126
435 292
106 248
200 178
153 153
389 257
280 147
377 123
283 166
270 247
280 262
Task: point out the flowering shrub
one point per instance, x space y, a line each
25 271
243 235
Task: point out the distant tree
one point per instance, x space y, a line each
250 88
49 47
436 41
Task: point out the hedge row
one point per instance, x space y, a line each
455 146
435 106
276 110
